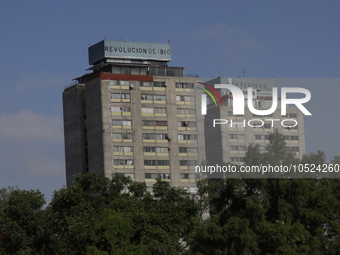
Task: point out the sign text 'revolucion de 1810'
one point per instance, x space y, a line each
129 50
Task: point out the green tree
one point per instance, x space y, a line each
272 216
22 221
112 235
119 215
336 160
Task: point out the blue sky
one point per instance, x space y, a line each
44 46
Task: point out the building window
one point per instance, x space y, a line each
117 122
184 176
129 70
127 136
163 162
153 97
185 98
186 124
126 122
147 110
123 162
236 125
161 136
147 97
161 123
158 84
148 136
289 128
234 159
293 149
241 136
162 150
125 96
121 122
242 148
187 150
237 136
233 136
157 175
186 111
268 115
122 149
187 137
238 148
164 176
113 82
118 162
148 123
184 85
291 138
259 137
118 82
121 136
188 162
292 115
120 96
149 149
120 109
132 176
190 176
153 110
156 149
116 136
126 70
146 84
267 126
150 162
156 162
155 136
159 97
115 95
160 110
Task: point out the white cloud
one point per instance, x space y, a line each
26 126
32 160
38 163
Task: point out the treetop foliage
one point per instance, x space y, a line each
102 216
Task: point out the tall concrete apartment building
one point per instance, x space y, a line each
228 142
134 115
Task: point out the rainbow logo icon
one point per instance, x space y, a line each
210 91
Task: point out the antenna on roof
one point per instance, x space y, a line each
104 37
121 37
168 41
244 73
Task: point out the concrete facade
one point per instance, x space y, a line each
141 118
144 126
227 143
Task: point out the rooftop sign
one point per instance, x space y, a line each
262 84
129 50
